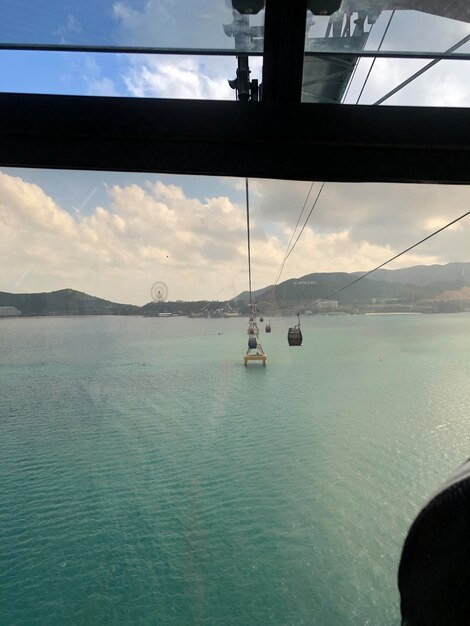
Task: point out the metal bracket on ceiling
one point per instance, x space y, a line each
245 88
247 38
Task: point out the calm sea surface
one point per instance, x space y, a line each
148 477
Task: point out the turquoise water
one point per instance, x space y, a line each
147 477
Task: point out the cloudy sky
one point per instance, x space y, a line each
113 234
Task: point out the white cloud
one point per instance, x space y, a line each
180 77
156 231
96 83
102 87
393 215
340 252
169 24
444 84
69 30
166 23
147 233
434 223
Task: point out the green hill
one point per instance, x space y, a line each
64 302
385 288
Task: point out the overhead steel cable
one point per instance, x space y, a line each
248 231
421 71
293 232
289 251
305 223
415 245
375 58
348 86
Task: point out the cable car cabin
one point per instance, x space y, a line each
261 319
252 343
268 328
294 336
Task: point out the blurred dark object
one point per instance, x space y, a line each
323 7
434 572
248 7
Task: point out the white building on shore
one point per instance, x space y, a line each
9 311
327 305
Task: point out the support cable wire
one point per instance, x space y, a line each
305 223
345 95
293 232
421 71
356 65
375 58
248 231
356 280
289 252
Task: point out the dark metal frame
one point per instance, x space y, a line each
284 40
260 139
276 138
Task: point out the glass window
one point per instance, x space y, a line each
131 76
201 24
364 51
146 472
128 48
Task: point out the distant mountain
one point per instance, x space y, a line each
425 275
71 302
409 285
245 295
64 302
311 287
422 286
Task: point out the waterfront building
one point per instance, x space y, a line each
9 311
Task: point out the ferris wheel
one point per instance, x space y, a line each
159 291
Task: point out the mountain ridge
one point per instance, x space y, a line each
437 284
421 275
431 277
64 302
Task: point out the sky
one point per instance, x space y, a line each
114 234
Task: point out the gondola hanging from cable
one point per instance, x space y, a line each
255 350
294 335
268 327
